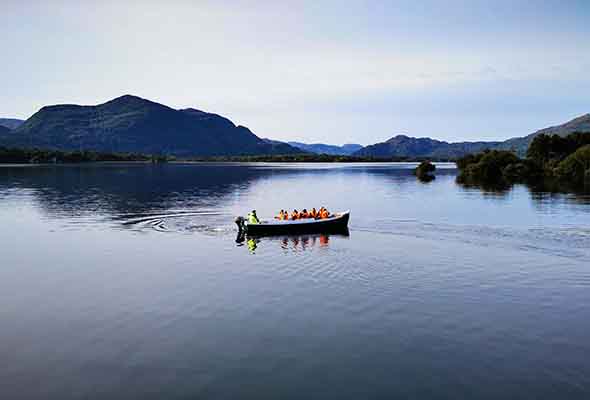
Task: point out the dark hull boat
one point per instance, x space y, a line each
335 224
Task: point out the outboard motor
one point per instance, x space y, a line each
241 223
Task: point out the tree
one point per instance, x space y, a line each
576 167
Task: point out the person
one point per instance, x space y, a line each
279 215
304 214
253 218
324 213
295 215
313 213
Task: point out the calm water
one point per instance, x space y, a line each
126 281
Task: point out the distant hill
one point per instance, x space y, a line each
520 145
11 123
405 146
4 130
133 124
320 148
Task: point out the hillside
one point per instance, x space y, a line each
405 146
321 148
11 123
133 124
4 130
520 145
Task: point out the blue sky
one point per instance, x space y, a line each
312 71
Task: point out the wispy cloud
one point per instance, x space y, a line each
265 64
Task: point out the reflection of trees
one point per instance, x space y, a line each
117 189
492 190
541 191
126 189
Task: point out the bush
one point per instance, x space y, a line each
424 171
575 168
464 161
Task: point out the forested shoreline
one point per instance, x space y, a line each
43 156
555 159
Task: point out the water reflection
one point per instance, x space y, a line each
437 279
290 243
124 192
540 191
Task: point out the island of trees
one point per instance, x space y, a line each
562 160
425 171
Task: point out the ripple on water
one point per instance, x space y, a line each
201 221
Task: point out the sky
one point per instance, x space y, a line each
313 71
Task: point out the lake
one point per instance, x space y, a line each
126 281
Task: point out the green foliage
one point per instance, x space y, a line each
566 159
548 151
21 156
488 166
424 171
576 167
463 162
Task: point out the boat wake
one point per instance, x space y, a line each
204 221
565 241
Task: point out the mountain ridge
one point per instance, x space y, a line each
322 148
11 123
406 146
132 124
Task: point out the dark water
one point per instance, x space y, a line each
125 281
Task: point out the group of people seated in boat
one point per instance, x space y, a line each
284 215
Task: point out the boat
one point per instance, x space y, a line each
337 222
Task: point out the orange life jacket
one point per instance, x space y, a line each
313 213
294 215
304 215
324 214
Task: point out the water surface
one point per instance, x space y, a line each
126 281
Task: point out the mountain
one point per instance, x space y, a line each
132 124
405 146
11 123
4 130
320 148
520 145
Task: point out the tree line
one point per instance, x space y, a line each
42 156
561 159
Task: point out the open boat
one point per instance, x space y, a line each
337 222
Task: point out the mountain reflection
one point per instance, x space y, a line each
118 190
122 191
